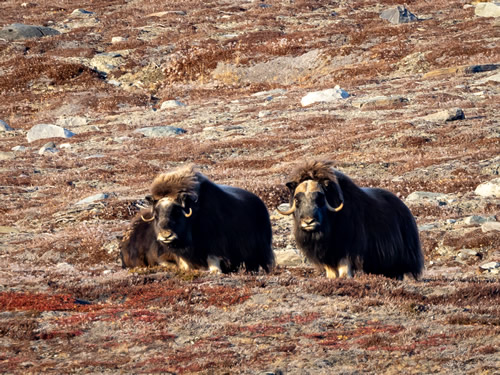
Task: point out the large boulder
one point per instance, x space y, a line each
19 31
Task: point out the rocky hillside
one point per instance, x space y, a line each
100 97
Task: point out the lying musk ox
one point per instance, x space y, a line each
202 224
343 228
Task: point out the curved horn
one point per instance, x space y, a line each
189 213
330 208
289 212
147 220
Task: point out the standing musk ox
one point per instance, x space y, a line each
342 228
202 224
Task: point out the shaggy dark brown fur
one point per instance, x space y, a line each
314 170
179 181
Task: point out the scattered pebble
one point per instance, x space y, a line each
160 131
487 9
171 104
452 114
398 15
42 131
49 147
118 39
490 226
489 189
93 198
4 127
324 96
490 266
18 148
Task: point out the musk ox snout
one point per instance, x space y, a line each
309 224
166 236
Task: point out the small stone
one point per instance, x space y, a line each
426 227
265 113
4 127
398 15
18 148
489 189
19 31
160 131
324 96
490 266
487 10
381 102
107 61
6 155
93 198
82 13
118 39
428 196
492 78
171 104
49 147
274 92
289 258
65 145
7 230
476 219
72 121
446 115
490 226
462 69
42 131
467 253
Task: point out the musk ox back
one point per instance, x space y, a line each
205 225
342 228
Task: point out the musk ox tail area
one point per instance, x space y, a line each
139 247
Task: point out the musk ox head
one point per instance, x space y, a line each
173 204
314 194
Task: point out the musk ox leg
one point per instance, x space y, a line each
214 264
344 268
331 272
183 265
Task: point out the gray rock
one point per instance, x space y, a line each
18 148
19 31
6 155
467 253
49 147
107 61
160 131
93 198
72 121
78 13
324 96
452 114
490 265
380 102
489 189
118 39
4 127
274 92
493 78
488 9
265 113
42 131
476 219
490 226
398 15
289 258
418 196
6 230
171 104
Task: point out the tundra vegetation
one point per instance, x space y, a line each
232 75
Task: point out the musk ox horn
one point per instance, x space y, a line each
288 212
330 208
188 214
147 220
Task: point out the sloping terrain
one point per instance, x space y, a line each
231 75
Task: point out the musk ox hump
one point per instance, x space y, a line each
184 180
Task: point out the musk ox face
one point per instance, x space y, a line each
311 202
171 218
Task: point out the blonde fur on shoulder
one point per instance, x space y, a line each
314 170
181 180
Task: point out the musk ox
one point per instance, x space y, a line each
202 224
342 228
